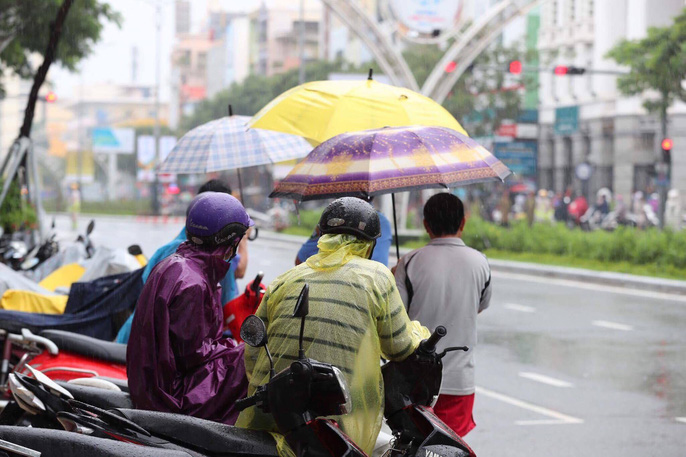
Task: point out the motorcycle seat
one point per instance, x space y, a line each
206 437
87 346
101 398
52 443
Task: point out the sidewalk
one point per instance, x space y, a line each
669 286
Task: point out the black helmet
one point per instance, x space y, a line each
350 215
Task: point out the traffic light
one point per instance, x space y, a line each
516 67
51 97
562 70
450 66
667 145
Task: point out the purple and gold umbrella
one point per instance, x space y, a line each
388 160
392 159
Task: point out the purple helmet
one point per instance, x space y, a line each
216 219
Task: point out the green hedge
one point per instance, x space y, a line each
639 247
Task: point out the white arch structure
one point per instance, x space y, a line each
464 50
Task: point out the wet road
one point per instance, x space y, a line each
563 368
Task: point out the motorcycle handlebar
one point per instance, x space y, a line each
430 344
246 402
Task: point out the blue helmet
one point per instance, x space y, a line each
216 219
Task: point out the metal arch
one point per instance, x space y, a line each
388 56
477 37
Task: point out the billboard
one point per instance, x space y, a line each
519 156
108 140
427 16
145 157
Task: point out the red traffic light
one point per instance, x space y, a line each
516 67
667 144
450 66
561 70
51 97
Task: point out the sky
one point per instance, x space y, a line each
111 59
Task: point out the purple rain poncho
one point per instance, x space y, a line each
176 359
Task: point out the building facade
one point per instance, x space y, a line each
583 118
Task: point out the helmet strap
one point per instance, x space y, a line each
371 250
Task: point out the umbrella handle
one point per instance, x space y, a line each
395 226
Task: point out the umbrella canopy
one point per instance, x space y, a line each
320 110
388 160
226 144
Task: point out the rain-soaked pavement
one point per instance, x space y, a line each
563 368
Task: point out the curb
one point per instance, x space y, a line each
669 286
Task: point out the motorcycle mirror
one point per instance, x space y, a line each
302 309
253 234
91 226
254 333
53 223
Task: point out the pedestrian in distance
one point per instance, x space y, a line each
447 283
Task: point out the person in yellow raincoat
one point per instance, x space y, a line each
356 317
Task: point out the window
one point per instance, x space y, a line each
647 141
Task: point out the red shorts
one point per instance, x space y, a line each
456 412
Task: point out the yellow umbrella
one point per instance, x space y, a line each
320 110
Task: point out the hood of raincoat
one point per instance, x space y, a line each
337 250
177 360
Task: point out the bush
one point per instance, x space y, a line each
15 213
638 247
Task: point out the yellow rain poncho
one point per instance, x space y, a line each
356 317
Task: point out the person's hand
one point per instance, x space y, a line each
393 268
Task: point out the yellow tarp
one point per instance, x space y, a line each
64 276
356 316
32 302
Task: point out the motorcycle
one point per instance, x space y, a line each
298 398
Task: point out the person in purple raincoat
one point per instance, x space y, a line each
177 360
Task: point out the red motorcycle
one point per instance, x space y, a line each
62 356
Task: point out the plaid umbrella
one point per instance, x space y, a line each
388 160
225 144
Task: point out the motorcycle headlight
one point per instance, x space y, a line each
347 407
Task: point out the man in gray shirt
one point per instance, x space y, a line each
447 283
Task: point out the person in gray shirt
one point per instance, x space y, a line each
448 283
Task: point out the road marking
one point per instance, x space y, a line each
589 286
680 419
545 379
520 308
613 325
558 418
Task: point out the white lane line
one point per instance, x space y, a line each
613 325
520 308
680 419
542 422
589 286
557 416
545 379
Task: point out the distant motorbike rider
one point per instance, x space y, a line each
177 360
356 316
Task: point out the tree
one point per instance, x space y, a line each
658 63
25 29
248 97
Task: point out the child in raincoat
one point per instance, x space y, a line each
356 316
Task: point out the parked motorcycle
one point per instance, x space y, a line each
297 397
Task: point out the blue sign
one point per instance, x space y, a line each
528 116
566 120
519 156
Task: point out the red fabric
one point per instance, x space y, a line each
239 308
456 412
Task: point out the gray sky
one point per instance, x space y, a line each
112 56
